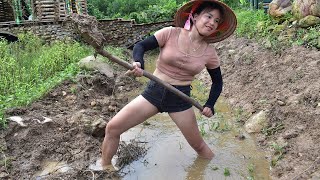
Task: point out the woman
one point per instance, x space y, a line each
184 52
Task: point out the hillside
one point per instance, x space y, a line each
286 85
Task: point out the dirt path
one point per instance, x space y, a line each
287 86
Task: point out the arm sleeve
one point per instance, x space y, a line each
141 47
216 87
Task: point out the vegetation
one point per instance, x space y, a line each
29 68
226 172
141 10
275 34
251 169
278 153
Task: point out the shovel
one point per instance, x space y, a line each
87 27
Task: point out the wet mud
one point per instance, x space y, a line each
286 85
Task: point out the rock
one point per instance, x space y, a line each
290 134
112 108
294 99
76 117
18 120
231 52
93 63
64 93
309 21
281 103
278 8
98 128
93 103
256 122
303 8
4 175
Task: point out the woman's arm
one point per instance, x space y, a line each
216 87
141 47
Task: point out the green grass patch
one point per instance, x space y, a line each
276 34
29 68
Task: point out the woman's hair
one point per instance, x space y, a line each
209 6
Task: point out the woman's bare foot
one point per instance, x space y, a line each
206 153
99 167
109 168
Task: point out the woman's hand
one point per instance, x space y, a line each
136 71
207 112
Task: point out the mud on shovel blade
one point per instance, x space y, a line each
87 26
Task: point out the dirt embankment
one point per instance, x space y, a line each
79 111
287 87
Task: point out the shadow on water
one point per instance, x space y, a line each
169 155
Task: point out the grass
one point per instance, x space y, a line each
276 34
226 172
29 68
271 130
6 162
251 169
216 124
279 151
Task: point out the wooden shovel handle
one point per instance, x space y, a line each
152 77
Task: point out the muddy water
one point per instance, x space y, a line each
169 155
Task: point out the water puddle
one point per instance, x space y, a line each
52 167
170 157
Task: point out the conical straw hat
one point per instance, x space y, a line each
224 30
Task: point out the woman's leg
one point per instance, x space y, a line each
134 113
187 123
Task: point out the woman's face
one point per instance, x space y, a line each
207 21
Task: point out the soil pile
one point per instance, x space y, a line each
287 87
79 111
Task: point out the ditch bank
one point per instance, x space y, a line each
65 127
287 87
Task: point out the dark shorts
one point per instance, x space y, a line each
165 100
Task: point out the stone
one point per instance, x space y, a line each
303 8
256 122
290 134
278 8
97 63
98 127
281 103
309 21
78 116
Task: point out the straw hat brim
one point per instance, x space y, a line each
224 30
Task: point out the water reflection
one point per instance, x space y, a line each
197 170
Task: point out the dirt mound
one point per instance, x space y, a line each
287 86
79 111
